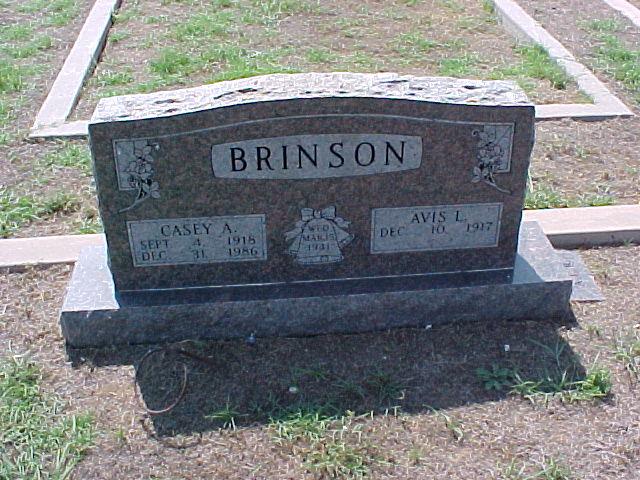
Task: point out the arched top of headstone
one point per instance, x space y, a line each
310 85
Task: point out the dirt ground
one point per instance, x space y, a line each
476 434
24 169
578 157
344 35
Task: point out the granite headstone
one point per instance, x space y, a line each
311 203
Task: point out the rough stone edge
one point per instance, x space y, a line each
525 28
79 64
626 9
564 227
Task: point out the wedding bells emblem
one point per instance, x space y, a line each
319 237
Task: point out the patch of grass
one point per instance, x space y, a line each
17 32
116 37
414 43
70 155
320 55
606 25
12 77
110 78
454 426
248 64
308 422
596 200
627 352
498 378
39 440
462 66
535 63
204 26
124 15
89 223
38 44
61 12
17 211
173 62
226 416
621 62
337 459
488 7
266 12
384 387
541 195
594 386
548 469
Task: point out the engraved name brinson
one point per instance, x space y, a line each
316 156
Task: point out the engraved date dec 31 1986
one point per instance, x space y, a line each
197 240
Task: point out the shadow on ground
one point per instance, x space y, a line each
414 369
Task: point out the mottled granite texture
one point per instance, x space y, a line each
93 316
309 85
468 143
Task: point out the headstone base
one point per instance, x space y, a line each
94 316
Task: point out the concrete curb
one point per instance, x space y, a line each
525 28
79 64
626 9
564 227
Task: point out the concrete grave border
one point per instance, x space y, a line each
564 227
626 9
526 29
51 120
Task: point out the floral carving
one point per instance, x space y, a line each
138 171
493 154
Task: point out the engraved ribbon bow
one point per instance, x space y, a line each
308 214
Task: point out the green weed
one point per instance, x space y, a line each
116 37
595 385
110 78
61 12
38 44
12 77
549 469
621 62
17 211
70 155
308 423
498 378
173 62
13 33
384 387
627 351
227 416
414 43
203 26
320 55
39 441
89 223
535 62
607 25
337 459
543 196
462 66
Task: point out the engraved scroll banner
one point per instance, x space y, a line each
197 240
317 156
443 227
